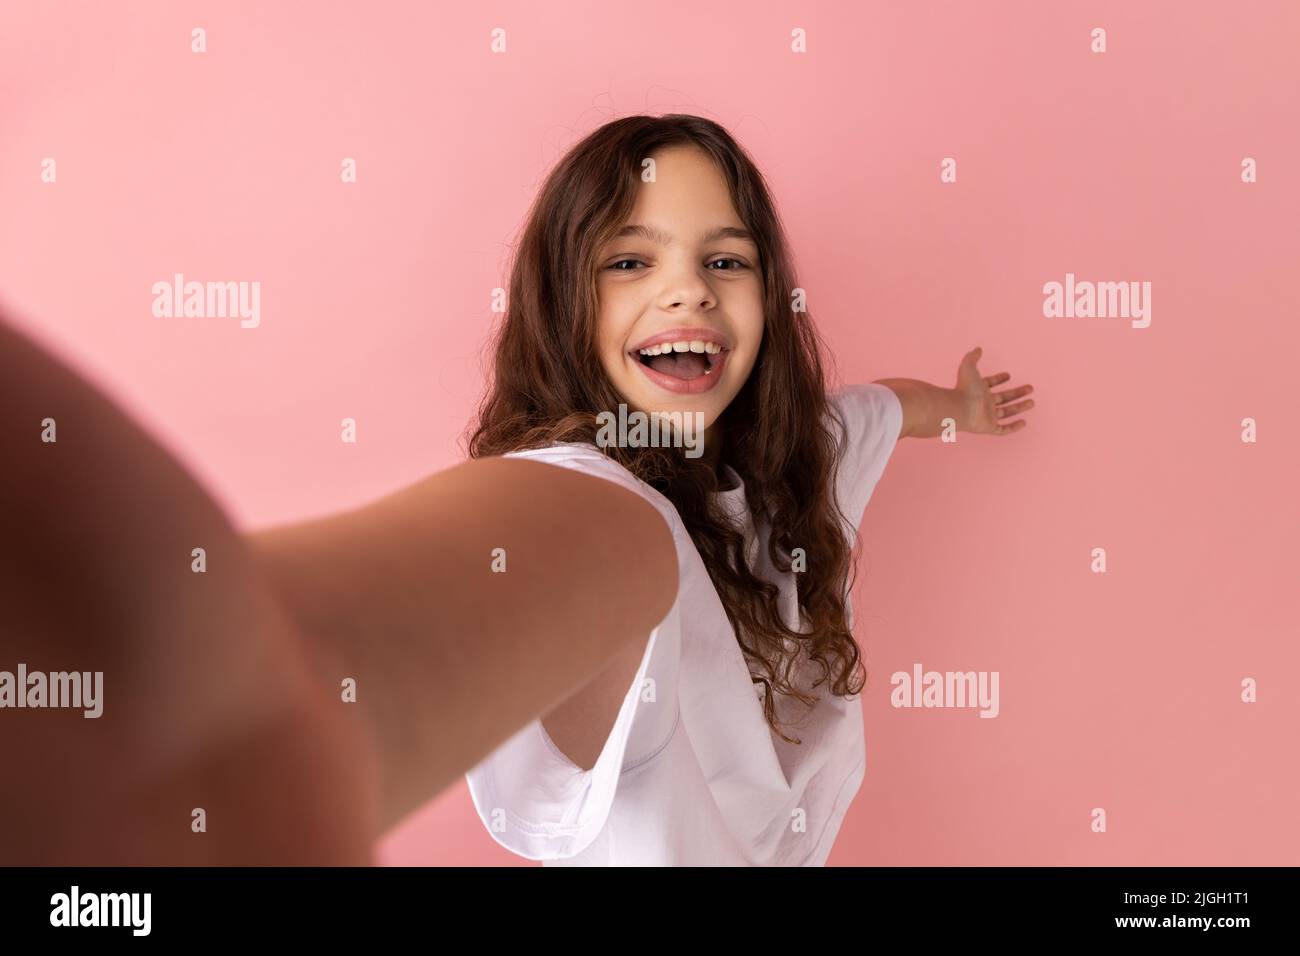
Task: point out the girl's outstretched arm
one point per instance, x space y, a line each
972 404
199 714
469 603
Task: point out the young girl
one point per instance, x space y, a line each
653 273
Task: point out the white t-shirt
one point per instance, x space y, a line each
691 773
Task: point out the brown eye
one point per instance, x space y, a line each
739 265
615 265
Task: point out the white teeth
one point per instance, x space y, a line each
695 345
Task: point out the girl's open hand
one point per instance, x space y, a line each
986 409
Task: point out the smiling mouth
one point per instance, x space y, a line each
685 365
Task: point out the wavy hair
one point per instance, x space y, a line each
548 385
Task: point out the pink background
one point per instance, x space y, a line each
1119 690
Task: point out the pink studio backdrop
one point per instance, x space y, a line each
1119 690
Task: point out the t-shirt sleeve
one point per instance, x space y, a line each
872 416
534 800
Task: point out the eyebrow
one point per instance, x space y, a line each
665 238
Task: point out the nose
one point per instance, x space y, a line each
686 289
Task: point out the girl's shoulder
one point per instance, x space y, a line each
865 406
587 458
870 418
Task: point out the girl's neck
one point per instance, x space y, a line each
713 452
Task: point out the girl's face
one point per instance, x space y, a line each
681 295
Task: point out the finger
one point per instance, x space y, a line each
998 379
1009 394
1013 427
1006 411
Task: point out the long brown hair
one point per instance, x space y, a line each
548 386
